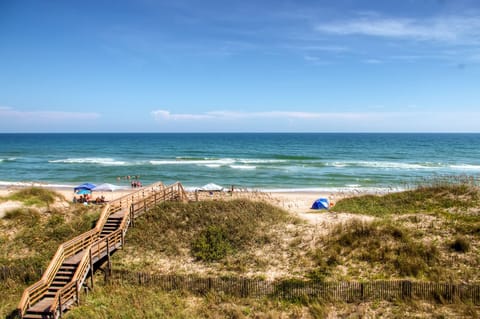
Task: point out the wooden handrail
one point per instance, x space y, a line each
89 239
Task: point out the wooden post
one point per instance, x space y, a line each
132 208
109 262
60 305
91 267
362 291
77 292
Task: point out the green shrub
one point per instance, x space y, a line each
211 245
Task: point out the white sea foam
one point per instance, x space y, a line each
386 165
346 189
466 167
91 160
259 161
34 184
180 161
353 185
246 167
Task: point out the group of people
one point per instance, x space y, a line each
86 198
136 184
134 180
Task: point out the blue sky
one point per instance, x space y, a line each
240 66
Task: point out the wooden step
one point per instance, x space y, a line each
113 227
41 306
119 214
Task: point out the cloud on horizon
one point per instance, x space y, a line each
375 121
12 113
163 115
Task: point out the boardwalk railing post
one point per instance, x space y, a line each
77 294
132 219
109 262
60 305
91 267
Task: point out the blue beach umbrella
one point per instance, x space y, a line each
83 191
86 186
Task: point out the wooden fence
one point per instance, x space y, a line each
346 291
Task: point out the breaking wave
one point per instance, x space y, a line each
91 160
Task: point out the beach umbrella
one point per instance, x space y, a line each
211 187
87 186
83 191
106 187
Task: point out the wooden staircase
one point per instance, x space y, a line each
60 286
112 224
62 277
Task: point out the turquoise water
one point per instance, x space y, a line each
259 161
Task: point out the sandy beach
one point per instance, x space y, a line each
296 202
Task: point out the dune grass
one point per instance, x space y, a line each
125 301
400 243
436 198
35 196
381 247
30 236
210 230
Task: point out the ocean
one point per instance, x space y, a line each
258 161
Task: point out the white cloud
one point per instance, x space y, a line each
166 115
11 113
162 115
464 29
375 120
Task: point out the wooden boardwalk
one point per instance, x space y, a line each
76 260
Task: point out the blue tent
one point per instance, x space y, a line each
83 191
321 203
85 186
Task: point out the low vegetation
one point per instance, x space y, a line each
35 196
379 248
431 233
436 197
30 236
227 232
134 302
